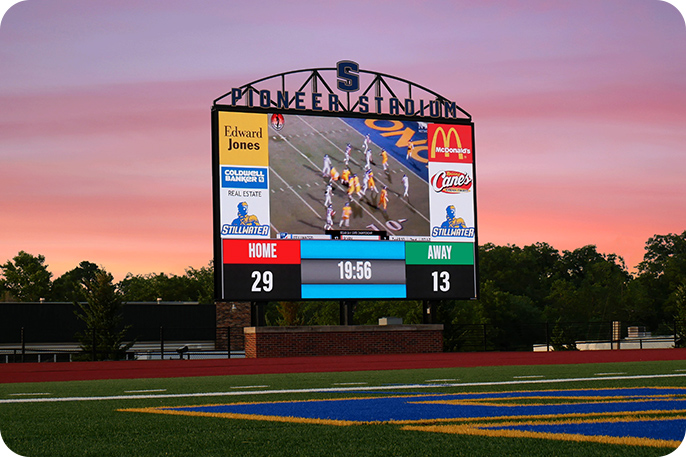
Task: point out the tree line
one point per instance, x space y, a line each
26 278
531 284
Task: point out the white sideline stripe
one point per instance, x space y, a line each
608 374
337 389
144 391
249 387
22 394
532 376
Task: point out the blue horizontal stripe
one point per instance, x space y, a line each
339 291
352 249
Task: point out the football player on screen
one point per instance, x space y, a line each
383 199
384 159
330 213
406 186
345 217
326 169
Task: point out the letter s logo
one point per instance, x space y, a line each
347 73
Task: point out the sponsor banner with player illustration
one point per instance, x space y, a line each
244 175
451 180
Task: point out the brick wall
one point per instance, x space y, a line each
342 340
236 316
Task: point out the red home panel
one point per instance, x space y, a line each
261 251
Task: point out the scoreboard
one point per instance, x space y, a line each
315 206
351 269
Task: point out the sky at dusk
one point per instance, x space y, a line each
579 109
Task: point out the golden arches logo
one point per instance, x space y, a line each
446 148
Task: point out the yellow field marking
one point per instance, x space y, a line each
572 400
297 420
484 429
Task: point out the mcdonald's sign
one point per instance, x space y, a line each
450 143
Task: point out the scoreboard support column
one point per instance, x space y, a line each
257 313
429 310
346 313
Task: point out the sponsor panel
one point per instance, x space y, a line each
451 199
451 171
244 175
450 143
243 139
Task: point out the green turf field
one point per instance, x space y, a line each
88 418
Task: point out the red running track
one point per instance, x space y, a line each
73 371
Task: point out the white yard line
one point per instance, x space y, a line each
339 389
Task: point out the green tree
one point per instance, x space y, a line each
201 282
680 315
69 286
26 278
527 271
102 314
662 272
195 285
590 286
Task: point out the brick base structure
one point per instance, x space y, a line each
342 340
235 316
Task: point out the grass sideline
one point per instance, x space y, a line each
97 428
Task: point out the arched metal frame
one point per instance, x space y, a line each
378 83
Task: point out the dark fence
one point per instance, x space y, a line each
546 336
56 322
155 342
138 343
48 332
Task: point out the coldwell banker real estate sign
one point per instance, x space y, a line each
342 186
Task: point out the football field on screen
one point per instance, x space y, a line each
609 409
296 156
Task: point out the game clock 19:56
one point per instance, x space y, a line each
359 269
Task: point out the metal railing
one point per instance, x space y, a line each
159 342
168 343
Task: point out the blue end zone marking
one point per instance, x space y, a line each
352 249
439 407
663 429
331 291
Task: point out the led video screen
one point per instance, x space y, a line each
325 207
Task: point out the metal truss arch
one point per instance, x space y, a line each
372 84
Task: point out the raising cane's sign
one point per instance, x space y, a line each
451 182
